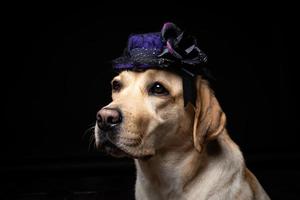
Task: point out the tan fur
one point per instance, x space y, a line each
181 153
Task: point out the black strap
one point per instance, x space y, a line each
189 87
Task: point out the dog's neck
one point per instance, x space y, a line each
170 167
183 166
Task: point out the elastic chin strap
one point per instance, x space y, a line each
189 88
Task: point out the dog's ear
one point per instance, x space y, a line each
209 119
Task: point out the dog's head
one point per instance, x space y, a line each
148 116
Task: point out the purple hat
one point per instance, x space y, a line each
170 49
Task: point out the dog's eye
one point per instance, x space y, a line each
116 86
158 89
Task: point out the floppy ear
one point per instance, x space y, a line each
209 119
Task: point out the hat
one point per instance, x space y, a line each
171 49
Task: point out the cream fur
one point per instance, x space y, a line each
181 153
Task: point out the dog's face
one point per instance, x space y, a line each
147 114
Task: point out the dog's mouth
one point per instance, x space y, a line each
113 150
113 147
106 145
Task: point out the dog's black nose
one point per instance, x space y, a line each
107 118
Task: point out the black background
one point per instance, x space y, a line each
56 76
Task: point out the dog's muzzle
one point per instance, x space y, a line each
108 121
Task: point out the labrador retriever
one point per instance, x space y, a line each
180 152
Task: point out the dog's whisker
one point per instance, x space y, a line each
90 130
87 131
95 145
91 124
92 141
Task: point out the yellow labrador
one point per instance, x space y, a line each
181 152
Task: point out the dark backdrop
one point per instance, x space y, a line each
56 76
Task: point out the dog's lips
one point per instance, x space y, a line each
110 143
112 149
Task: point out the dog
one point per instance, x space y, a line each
180 152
